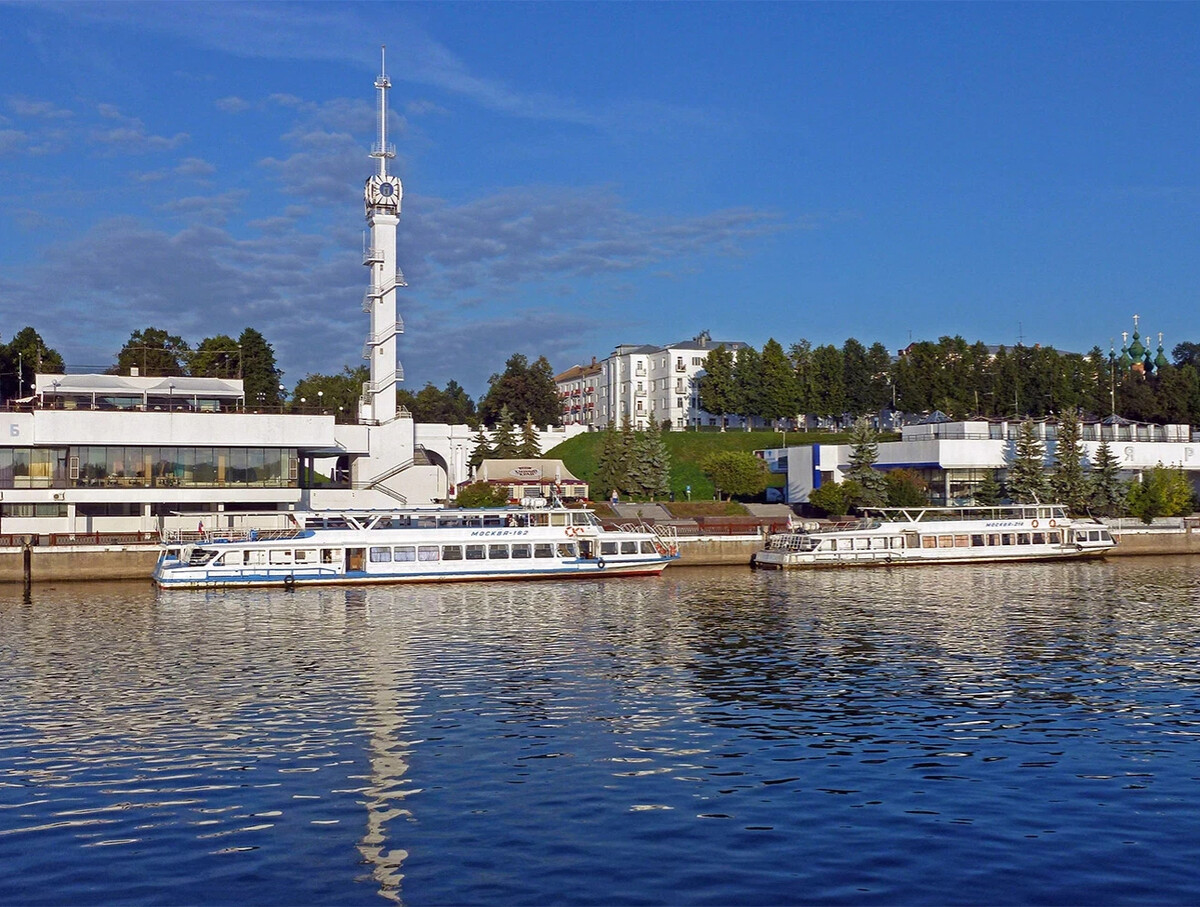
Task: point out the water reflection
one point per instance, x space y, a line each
707 735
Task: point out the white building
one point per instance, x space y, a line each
955 457
577 391
655 382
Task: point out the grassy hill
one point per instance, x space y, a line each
687 449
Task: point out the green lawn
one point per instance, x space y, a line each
688 449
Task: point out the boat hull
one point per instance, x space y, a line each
788 560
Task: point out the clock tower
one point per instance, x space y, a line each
382 198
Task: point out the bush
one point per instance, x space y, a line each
735 473
481 494
835 498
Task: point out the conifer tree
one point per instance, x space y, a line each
482 449
504 441
988 493
531 448
1026 475
1069 481
864 451
654 463
610 467
1104 480
718 394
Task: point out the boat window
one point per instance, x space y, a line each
219 562
994 539
629 547
327 555
452 552
1022 538
200 556
1104 536
543 549
580 518
522 551
306 555
1007 538
381 555
833 544
558 519
493 519
608 548
1039 538
1093 535
498 552
977 541
648 548
945 541
929 541
539 519
281 556
404 553
427 553
475 552
961 541
1054 538
566 549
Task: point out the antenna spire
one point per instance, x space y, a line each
382 149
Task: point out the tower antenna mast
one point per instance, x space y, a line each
382 149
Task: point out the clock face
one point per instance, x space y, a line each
386 190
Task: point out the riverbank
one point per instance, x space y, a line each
67 563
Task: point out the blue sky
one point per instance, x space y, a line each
580 175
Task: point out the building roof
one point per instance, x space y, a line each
125 385
524 470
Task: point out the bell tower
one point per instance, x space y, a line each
382 197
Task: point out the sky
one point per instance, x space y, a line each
582 175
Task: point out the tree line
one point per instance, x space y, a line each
958 378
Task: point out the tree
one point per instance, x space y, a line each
1069 482
828 397
336 394
154 353
835 498
611 465
23 357
261 377
216 357
864 451
718 393
482 494
651 470
735 473
856 378
1107 492
527 391
906 488
1026 475
1162 491
481 449
988 492
504 440
747 382
779 397
531 447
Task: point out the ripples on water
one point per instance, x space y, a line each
1016 734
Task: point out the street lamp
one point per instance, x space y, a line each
171 398
321 401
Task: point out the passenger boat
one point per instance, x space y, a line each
940 535
416 545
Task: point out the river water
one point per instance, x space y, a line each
1008 734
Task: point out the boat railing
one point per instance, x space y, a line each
201 537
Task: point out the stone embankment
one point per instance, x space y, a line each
722 542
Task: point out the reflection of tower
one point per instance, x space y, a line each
382 197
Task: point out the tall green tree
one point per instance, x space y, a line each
856 378
527 391
864 451
988 492
504 439
336 395
779 396
718 392
1026 469
216 357
747 380
828 382
651 470
530 447
800 356
1069 481
1107 492
261 376
21 359
481 449
611 464
154 353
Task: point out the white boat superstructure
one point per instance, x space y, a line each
941 535
416 545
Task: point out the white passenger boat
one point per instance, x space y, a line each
417 545
940 535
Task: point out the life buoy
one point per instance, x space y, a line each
1053 524
289 583
1033 523
600 563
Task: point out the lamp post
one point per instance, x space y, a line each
282 397
171 397
321 401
